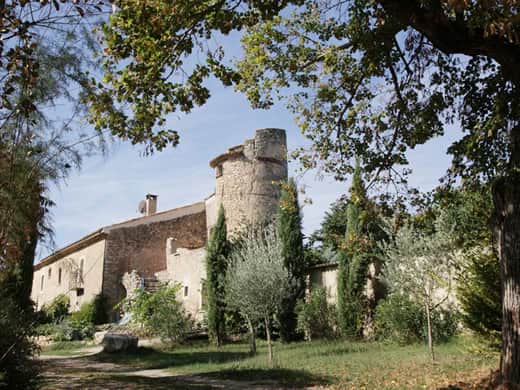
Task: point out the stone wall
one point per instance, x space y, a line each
77 274
141 247
324 276
247 178
187 267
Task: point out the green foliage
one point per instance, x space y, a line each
56 310
93 312
216 268
73 329
400 320
470 211
478 291
17 369
288 224
160 313
359 250
258 279
316 317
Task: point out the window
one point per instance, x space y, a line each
41 287
219 170
59 276
80 292
185 291
81 264
50 273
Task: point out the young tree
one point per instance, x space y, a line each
216 269
421 266
368 79
258 279
289 227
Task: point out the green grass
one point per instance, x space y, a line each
65 348
341 364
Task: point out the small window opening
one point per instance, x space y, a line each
41 287
219 170
185 291
50 273
80 292
59 275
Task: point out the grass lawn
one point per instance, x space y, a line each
65 348
339 364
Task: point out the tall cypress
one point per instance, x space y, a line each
289 228
216 267
356 304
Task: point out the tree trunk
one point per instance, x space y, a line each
252 337
430 335
506 194
269 342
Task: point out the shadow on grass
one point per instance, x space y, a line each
281 376
118 381
150 358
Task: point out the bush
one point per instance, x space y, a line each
316 318
17 367
73 330
160 313
398 319
93 312
57 310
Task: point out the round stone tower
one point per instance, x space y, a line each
248 177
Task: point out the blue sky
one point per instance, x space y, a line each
108 188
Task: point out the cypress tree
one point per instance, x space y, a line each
355 306
290 232
216 266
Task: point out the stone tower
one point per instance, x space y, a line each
247 179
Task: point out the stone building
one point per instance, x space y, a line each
168 246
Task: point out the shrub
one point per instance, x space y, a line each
398 319
160 313
73 330
57 310
316 318
17 368
93 312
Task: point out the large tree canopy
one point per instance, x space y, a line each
365 78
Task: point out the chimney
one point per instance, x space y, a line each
151 204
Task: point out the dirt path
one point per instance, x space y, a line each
83 372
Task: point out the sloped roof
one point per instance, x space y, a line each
100 234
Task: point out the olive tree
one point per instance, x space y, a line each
421 266
258 280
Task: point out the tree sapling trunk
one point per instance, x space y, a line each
430 335
252 337
269 342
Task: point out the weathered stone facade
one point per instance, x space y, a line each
170 245
140 245
247 178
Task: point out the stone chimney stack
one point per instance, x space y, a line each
151 204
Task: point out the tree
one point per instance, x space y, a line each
47 51
470 211
359 265
289 227
216 269
258 279
421 266
366 79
